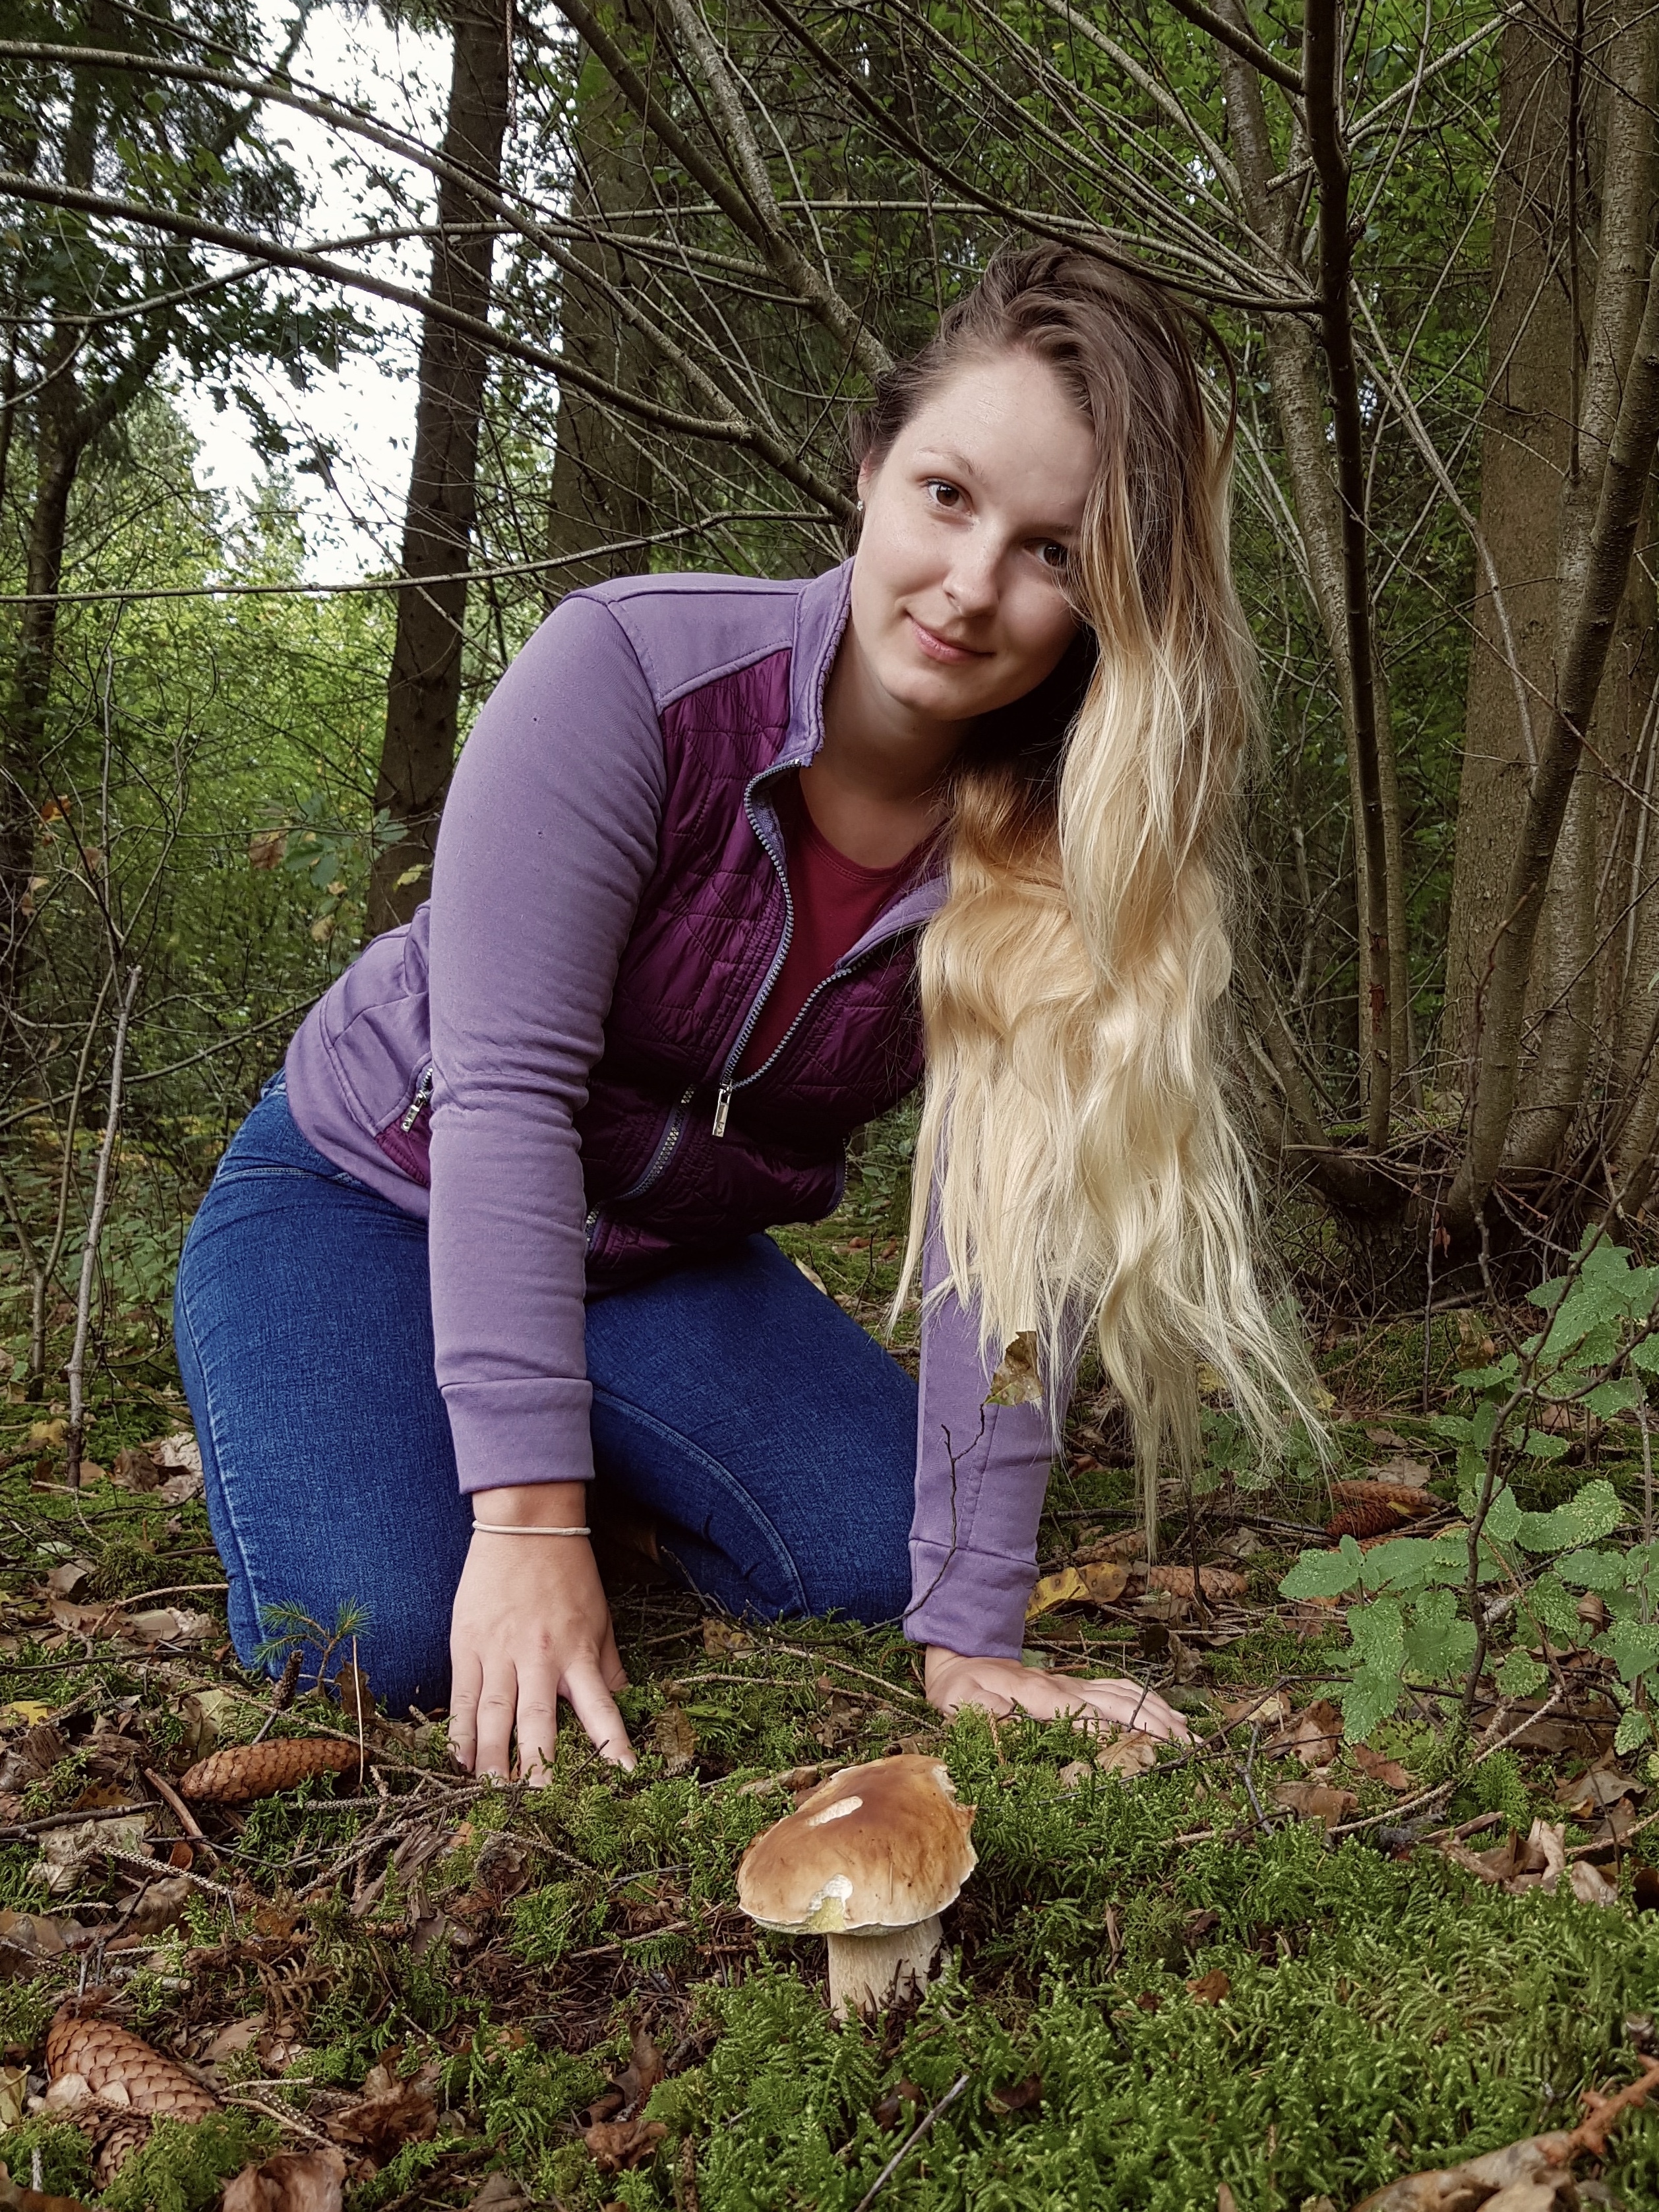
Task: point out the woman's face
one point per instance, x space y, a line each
959 604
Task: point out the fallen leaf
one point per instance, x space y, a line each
813 1277
135 1469
1409 1473
292 2181
181 1489
48 1435
723 1639
1016 1381
179 1449
1314 1735
1243 1544
500 2193
393 2112
1314 1801
1019 2097
644 2069
30 1711
167 1624
1598 1789
14 2095
266 849
73 1578
1532 2174
159 1906
1065 1588
618 2145
1269 1707
14 2198
1105 1580
675 1738
1535 1861
241 2035
66 1850
891 2109
1389 1771
1210 1989
1590 1884
27 1940
1225 2199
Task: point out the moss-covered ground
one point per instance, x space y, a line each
1159 1991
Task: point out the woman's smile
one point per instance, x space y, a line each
936 647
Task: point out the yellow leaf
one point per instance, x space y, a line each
1064 1588
27 1709
1105 1580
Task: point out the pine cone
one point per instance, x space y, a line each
1372 1517
248 1771
121 2134
104 2056
1411 1499
1214 1582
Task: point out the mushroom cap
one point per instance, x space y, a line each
883 1846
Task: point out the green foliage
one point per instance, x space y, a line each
1431 1606
185 2166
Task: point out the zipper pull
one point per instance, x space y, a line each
423 1094
722 1108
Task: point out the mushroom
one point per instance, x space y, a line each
870 1859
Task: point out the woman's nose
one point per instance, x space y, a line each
971 585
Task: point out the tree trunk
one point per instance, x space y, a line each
423 693
1556 386
602 474
1294 369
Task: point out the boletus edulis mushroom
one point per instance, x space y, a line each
869 1859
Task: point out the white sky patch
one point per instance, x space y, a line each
353 524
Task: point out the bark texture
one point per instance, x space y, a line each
423 694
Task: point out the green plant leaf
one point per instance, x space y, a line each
1325 1574
1368 1699
1521 1674
1595 1571
1634 1728
1633 1646
1594 1512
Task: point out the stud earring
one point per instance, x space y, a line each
860 507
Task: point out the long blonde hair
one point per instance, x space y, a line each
1083 1168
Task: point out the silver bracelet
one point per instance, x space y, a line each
516 1528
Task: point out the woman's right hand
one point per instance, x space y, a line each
531 1626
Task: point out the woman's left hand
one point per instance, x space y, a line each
1002 1686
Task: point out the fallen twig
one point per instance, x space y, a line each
922 2127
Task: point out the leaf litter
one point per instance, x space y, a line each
394 1978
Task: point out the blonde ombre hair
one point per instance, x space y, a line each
1084 1171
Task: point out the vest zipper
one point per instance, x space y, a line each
422 1096
724 1096
672 1131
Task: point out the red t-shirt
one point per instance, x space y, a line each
836 901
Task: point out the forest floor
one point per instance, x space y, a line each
1270 1971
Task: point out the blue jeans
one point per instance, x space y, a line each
772 1441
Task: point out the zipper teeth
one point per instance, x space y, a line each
660 1159
782 953
422 1096
807 1004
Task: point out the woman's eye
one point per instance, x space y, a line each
1054 557
942 491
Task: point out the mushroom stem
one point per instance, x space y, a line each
870 1971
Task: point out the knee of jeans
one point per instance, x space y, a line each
871 1589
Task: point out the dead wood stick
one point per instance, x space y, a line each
75 1371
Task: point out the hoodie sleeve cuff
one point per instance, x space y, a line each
529 1431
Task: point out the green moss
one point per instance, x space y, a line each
184 2166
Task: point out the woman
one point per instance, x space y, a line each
718 855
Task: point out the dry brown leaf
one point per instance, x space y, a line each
1594 1792
14 2198
1314 1801
134 1469
1314 1735
1590 1884
241 2035
1127 1755
265 848
390 2113
1389 1771
618 2145
14 2095
1535 1861
159 1905
675 1738
500 2193
1269 1707
1018 2097
1539 2163
723 1639
1210 1989
72 1579
66 1850
1016 1381
292 2181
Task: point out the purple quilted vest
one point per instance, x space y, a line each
676 1154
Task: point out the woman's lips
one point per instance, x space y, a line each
941 648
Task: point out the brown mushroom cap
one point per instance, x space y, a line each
883 1846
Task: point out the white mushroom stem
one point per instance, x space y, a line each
869 1972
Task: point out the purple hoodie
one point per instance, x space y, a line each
542 1063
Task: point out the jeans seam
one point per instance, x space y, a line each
781 1554
231 1520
